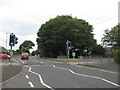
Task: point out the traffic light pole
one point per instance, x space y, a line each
12 42
68 48
10 50
11 55
68 53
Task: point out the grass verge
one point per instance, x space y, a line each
64 59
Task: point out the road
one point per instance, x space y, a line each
42 73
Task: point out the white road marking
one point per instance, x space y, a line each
57 62
27 76
40 78
41 62
26 66
40 65
79 75
53 65
95 69
90 76
31 84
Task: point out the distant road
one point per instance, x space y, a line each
42 73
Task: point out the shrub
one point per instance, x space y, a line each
117 56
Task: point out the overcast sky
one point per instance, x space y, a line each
24 17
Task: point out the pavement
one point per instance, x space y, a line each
9 70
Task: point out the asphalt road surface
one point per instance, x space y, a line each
42 73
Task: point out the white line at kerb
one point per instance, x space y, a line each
31 84
95 69
95 78
89 76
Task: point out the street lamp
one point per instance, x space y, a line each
6 40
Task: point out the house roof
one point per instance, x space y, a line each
2 49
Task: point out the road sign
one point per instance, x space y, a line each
73 54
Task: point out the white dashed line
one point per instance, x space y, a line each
31 84
27 76
53 65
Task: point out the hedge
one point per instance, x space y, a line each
117 56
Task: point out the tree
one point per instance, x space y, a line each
26 46
35 53
98 50
112 37
19 51
52 35
116 56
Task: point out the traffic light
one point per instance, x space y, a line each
12 38
15 41
69 44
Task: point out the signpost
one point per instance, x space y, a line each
73 54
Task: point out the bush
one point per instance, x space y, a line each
117 56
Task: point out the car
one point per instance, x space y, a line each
24 56
4 56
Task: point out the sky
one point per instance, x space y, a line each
24 17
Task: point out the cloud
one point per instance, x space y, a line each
18 27
24 17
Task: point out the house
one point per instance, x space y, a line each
2 49
108 51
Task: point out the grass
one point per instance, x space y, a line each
16 56
64 59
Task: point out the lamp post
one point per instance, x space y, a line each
6 40
119 12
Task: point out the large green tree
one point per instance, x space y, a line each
26 46
112 37
52 35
